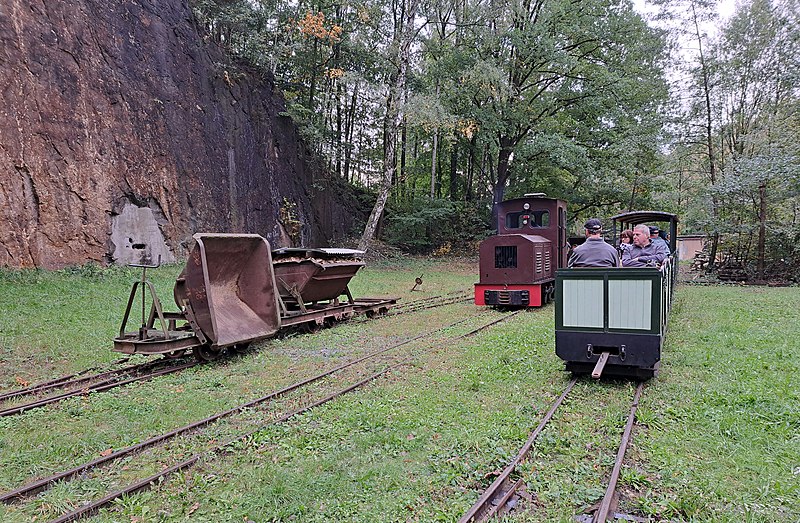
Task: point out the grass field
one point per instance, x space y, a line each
717 435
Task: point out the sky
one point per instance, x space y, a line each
724 7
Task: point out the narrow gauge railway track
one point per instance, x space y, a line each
110 379
77 384
502 494
54 383
431 302
92 508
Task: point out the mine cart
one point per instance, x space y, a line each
226 294
235 290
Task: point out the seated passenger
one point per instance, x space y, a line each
594 252
643 253
657 240
625 240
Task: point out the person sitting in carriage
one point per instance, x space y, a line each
594 252
643 253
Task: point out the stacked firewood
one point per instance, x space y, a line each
700 261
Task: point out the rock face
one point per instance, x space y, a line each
123 132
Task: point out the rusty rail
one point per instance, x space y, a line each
44 483
107 384
432 302
62 381
605 505
94 507
495 498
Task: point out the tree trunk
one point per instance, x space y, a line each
348 133
470 170
762 228
709 136
403 37
499 188
454 171
339 138
433 163
403 144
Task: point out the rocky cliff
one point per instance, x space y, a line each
123 132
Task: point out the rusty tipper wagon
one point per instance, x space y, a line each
611 321
235 290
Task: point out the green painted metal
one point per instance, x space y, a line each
633 299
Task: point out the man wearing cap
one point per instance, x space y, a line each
657 240
594 252
643 253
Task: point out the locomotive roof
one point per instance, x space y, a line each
637 217
533 196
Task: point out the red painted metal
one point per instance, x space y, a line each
534 290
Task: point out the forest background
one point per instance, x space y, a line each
438 108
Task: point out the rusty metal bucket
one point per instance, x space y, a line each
228 289
312 275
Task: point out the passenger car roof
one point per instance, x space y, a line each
637 217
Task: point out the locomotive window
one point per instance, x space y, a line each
543 218
505 257
517 220
533 219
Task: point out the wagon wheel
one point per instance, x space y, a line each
175 354
206 353
549 294
310 327
240 347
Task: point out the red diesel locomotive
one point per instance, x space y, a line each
518 265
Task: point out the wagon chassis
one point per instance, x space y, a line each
174 340
232 292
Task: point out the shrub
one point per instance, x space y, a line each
425 225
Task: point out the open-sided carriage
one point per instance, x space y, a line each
612 321
234 290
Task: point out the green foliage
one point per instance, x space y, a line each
427 224
737 171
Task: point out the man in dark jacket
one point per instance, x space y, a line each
643 253
594 252
657 240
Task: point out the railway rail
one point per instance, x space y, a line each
77 384
502 495
92 508
432 302
109 379
54 383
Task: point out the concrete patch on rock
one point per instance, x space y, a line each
137 238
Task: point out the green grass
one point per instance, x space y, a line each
56 323
723 436
717 437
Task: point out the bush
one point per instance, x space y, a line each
425 225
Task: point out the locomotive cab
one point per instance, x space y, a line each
518 264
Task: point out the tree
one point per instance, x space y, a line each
542 66
400 55
759 52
